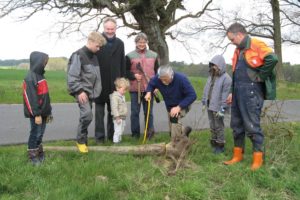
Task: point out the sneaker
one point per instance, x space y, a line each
82 148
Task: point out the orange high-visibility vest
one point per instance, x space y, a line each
254 55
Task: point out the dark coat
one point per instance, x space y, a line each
111 58
35 89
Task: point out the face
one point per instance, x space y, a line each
235 38
215 70
166 80
141 44
93 46
110 29
122 90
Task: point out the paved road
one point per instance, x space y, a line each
14 127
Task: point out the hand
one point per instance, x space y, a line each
38 120
155 92
148 96
175 111
229 99
82 98
118 120
203 108
138 77
49 119
220 113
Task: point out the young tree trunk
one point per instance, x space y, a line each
150 149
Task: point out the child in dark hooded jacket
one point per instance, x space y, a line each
214 97
36 105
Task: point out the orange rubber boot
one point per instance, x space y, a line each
237 156
257 160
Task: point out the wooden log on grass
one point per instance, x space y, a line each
148 149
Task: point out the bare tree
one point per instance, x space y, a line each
154 17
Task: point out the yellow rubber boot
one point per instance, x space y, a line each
82 148
257 160
237 156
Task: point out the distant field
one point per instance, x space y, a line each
11 87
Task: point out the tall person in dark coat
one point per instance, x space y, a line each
111 59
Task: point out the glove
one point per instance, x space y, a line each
220 113
203 108
49 119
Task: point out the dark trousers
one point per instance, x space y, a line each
246 108
216 125
135 113
99 122
85 118
36 133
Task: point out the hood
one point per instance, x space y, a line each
38 62
219 61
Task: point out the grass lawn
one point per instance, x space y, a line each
71 175
11 87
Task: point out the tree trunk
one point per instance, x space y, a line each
146 17
150 149
277 37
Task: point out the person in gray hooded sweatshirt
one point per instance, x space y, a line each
214 97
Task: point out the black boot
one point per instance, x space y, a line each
213 145
219 148
41 153
186 131
33 156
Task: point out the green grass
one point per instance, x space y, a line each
71 175
11 87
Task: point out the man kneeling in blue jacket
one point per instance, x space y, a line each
178 94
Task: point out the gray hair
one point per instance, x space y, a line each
141 36
109 19
236 28
165 70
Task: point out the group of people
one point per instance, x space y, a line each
100 72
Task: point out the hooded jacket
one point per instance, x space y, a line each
221 87
84 73
35 88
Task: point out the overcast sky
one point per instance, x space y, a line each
18 39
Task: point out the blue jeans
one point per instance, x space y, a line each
135 113
36 133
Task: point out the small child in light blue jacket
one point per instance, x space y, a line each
119 108
214 97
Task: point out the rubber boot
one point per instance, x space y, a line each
213 145
41 153
237 156
82 148
33 156
257 160
219 148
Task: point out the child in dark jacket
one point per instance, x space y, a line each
36 105
214 97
